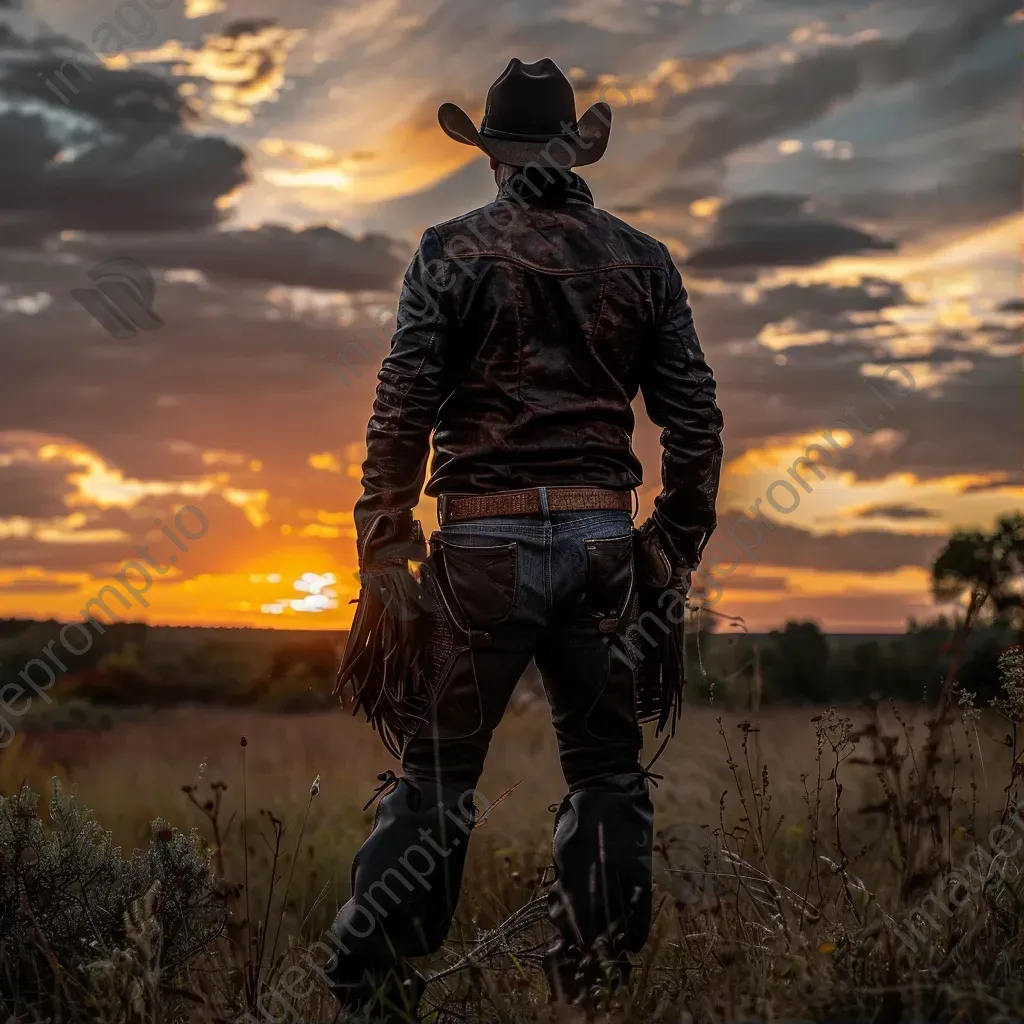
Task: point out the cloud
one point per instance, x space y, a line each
867 551
231 371
769 231
316 257
759 106
1001 480
981 188
37 586
726 317
203 8
235 392
401 160
969 422
897 511
93 148
231 72
30 490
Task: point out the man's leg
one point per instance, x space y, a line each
407 875
603 842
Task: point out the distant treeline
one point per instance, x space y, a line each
801 665
133 665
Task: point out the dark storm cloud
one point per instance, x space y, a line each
318 257
828 306
32 490
740 580
897 511
979 189
760 106
973 424
108 151
105 557
1009 480
976 90
857 551
751 233
723 318
229 370
92 148
30 586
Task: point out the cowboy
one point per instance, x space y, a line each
525 330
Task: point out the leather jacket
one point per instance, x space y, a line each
524 331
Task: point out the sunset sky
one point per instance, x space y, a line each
839 181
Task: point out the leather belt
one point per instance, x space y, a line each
454 508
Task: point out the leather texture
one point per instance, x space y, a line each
525 330
405 884
603 850
456 508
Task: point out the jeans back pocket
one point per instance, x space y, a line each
481 579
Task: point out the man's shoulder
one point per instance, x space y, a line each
642 240
485 212
495 221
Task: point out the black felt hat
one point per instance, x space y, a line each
530 118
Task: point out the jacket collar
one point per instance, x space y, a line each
573 190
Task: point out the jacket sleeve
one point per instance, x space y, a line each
410 389
679 392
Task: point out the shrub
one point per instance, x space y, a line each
84 928
73 713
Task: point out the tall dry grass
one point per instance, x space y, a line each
791 849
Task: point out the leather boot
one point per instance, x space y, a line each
601 898
405 885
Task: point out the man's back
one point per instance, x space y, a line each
556 308
530 325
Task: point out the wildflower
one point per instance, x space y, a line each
967 709
1010 702
314 790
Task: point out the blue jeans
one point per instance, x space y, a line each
554 588
557 588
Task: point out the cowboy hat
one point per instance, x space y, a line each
530 119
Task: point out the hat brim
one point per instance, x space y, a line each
562 153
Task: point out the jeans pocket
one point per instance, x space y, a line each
610 577
481 579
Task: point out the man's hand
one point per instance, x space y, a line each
387 543
660 565
388 540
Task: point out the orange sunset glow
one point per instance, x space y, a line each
840 225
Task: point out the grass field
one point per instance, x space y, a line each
790 852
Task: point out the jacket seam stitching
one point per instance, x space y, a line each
562 273
600 313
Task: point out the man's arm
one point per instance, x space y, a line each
410 389
679 392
